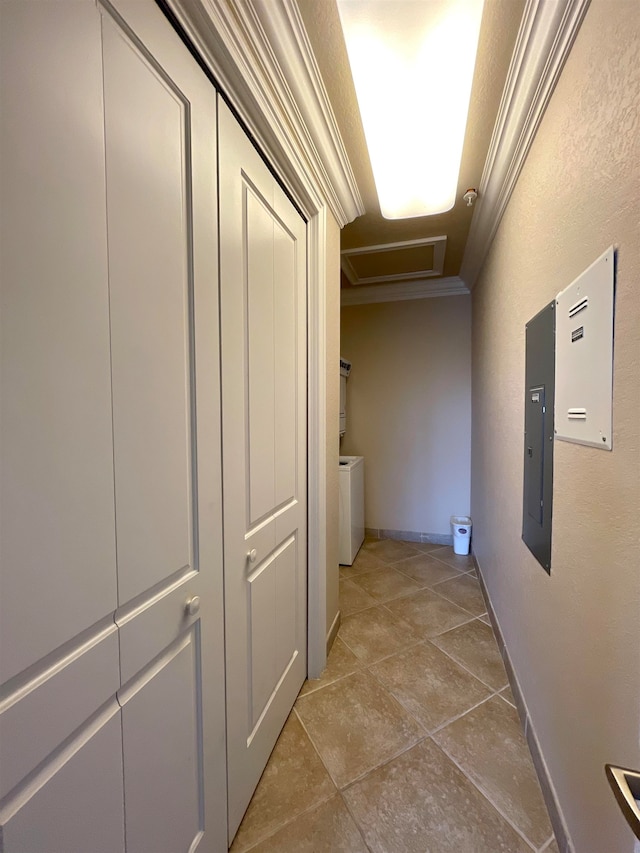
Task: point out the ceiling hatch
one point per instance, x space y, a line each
410 260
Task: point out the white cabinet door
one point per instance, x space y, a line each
160 131
263 316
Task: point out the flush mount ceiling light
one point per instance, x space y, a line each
412 63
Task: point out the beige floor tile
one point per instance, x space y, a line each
425 547
389 550
485 618
552 848
328 828
474 646
489 745
465 592
341 662
425 570
462 562
376 633
421 803
355 725
428 613
353 598
429 684
293 781
385 584
364 562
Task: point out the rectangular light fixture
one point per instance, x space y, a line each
412 63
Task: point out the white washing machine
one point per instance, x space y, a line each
351 536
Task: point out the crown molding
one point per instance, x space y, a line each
260 56
450 286
545 38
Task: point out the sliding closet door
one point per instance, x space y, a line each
160 131
263 308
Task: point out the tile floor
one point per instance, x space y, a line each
409 742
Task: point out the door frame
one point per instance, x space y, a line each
259 55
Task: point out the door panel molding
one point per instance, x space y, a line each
38 716
161 723
151 298
28 788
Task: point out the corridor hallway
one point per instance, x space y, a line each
410 741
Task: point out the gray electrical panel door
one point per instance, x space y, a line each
538 434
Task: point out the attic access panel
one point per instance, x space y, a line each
538 434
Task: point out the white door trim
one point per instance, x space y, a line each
317 445
232 41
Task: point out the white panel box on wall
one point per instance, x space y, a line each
584 356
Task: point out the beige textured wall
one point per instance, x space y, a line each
409 409
333 407
573 636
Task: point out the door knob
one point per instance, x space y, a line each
252 555
193 605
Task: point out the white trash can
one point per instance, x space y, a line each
461 526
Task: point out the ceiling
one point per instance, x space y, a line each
500 24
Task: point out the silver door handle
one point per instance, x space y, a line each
252 555
193 605
626 788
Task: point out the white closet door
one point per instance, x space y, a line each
263 309
61 785
160 122
57 542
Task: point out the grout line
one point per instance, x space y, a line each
342 640
363 775
365 665
311 741
354 819
486 796
359 610
405 594
404 749
500 693
429 585
451 565
431 732
288 821
471 618
451 601
313 690
464 666
384 763
463 714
